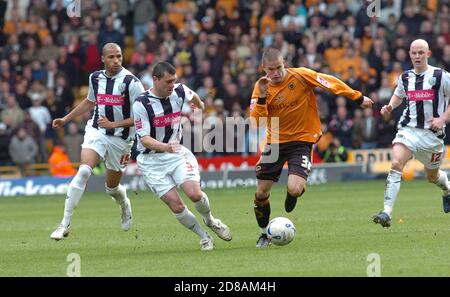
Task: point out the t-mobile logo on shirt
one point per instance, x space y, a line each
107 99
421 95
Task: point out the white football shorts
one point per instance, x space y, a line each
164 171
425 145
114 150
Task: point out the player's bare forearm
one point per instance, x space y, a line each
395 101
105 123
155 145
80 109
438 123
198 102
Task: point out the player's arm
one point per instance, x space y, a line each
393 104
192 97
438 123
396 99
84 106
197 102
334 85
153 144
143 131
135 89
258 103
107 124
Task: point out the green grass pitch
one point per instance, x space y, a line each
334 235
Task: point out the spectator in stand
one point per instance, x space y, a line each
341 126
12 110
23 151
73 141
335 153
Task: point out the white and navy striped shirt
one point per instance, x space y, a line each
113 97
427 96
160 118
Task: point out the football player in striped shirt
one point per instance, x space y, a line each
108 137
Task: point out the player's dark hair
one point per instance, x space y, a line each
163 67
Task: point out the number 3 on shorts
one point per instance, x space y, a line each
306 163
124 159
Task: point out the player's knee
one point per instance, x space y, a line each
295 190
432 177
82 176
261 195
177 207
397 165
195 195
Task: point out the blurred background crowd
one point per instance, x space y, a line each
216 46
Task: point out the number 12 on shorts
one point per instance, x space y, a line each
436 157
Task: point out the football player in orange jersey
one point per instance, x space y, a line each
287 95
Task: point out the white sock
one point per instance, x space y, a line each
187 219
75 191
202 206
442 182
391 190
119 193
264 230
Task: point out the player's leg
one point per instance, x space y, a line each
187 176
299 165
262 209
89 159
187 218
431 157
401 154
116 160
119 194
268 171
201 201
296 186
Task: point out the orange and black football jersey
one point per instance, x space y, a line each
294 105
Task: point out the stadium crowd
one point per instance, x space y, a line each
45 59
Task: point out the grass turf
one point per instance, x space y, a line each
335 235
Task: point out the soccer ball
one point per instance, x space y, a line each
280 231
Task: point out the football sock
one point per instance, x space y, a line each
442 181
118 193
187 219
262 213
202 206
75 191
392 188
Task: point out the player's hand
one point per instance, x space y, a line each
105 123
173 147
367 102
386 109
263 84
57 123
436 124
194 107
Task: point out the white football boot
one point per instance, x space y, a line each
60 232
220 229
207 244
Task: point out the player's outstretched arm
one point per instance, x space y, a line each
80 109
393 103
197 102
